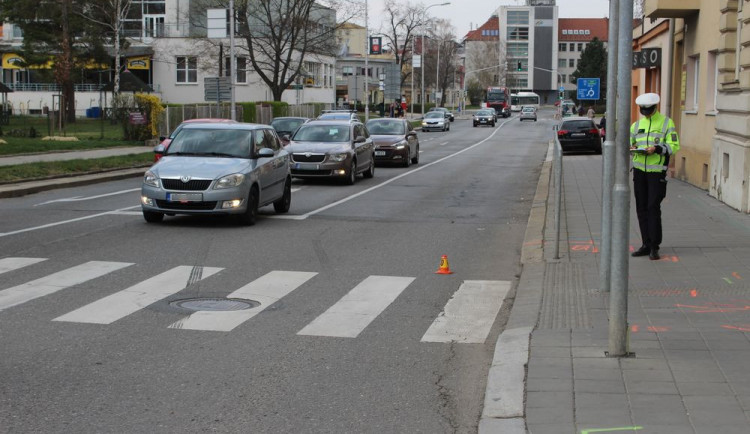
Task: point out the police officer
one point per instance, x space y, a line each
653 140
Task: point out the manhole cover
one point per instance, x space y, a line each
215 304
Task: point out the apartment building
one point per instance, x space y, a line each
574 35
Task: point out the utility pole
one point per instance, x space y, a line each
367 67
618 297
232 66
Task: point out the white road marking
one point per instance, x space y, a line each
79 198
138 213
470 313
57 281
121 304
50 225
443 144
10 264
357 309
266 290
386 182
296 189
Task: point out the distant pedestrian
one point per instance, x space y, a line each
653 140
591 113
581 110
403 107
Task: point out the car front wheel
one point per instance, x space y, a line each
370 172
352 175
251 212
282 205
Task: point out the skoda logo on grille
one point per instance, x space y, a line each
307 154
185 179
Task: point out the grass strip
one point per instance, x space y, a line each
53 169
21 146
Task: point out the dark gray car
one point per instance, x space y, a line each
230 169
339 149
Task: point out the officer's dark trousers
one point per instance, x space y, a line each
649 188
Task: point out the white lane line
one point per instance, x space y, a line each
57 281
138 213
296 189
266 290
79 198
357 309
443 144
50 225
10 264
470 313
121 304
386 182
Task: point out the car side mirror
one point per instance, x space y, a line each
159 149
161 138
360 139
286 137
265 153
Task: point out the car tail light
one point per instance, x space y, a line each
594 131
562 132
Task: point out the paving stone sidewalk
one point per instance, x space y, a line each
688 318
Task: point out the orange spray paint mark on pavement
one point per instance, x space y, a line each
736 275
744 328
693 293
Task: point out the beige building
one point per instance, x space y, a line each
709 94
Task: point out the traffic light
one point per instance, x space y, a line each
519 66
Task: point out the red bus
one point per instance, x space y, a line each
499 99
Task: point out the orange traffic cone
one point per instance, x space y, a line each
444 267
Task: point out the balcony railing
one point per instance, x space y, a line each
52 87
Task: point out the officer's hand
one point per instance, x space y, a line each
650 150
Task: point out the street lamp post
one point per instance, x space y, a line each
367 66
422 59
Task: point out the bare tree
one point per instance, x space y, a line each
485 62
402 21
279 36
443 54
109 14
638 8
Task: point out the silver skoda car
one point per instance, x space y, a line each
212 168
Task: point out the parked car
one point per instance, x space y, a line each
435 121
528 113
395 141
579 133
286 126
332 149
448 115
339 115
485 117
219 168
161 148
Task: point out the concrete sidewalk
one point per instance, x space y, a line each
688 318
73 155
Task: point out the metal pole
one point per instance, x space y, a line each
367 67
411 105
618 298
232 65
608 155
558 168
437 73
421 66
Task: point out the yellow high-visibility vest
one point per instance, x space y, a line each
658 131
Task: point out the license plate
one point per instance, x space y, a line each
185 197
306 166
483 121
577 134
379 153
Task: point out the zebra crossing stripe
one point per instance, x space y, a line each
357 309
10 264
57 281
469 314
266 290
121 304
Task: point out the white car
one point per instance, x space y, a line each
528 113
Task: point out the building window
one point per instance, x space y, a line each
563 77
562 47
693 76
572 46
241 72
187 69
561 63
347 70
518 49
518 33
580 46
571 63
712 81
518 17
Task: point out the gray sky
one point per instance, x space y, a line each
469 14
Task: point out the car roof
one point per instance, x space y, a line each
225 126
209 120
386 120
331 122
431 112
289 117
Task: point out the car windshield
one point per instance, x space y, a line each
386 127
528 109
577 125
322 133
286 125
335 116
212 142
484 113
434 115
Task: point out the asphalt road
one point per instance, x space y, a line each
88 347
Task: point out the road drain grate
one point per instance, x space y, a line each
215 304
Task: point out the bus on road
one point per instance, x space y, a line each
524 99
498 98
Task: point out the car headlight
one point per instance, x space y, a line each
338 157
400 145
149 178
230 181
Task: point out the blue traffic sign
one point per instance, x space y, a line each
588 88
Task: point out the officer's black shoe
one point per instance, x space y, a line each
654 255
643 251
